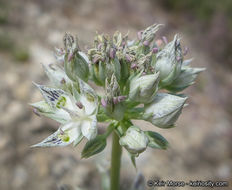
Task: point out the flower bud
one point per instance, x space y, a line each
143 88
169 61
164 110
135 141
185 79
112 53
149 33
77 66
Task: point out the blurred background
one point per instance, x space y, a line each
200 144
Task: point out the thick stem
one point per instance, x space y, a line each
115 163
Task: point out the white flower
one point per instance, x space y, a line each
77 115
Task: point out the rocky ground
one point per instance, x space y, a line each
200 145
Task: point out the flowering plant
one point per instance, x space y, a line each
131 73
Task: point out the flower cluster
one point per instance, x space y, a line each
131 73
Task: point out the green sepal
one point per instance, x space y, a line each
156 140
94 146
76 68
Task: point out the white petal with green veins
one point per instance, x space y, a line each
62 137
89 127
51 95
45 109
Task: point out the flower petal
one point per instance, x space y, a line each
89 128
62 137
44 109
89 98
56 75
51 95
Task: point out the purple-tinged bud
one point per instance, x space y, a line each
128 58
144 73
63 81
139 34
178 58
115 100
70 56
112 53
155 50
146 43
79 105
121 98
99 46
186 50
159 42
134 66
103 102
35 111
164 38
95 59
123 44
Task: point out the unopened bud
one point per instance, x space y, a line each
70 56
186 50
146 43
121 98
143 88
155 50
79 105
115 100
178 58
139 34
134 66
112 53
159 42
135 141
165 40
128 58
164 110
103 102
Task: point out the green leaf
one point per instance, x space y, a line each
94 146
133 160
156 140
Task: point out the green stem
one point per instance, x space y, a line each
115 163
